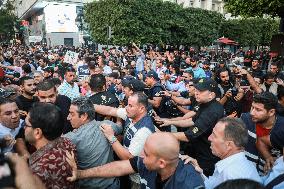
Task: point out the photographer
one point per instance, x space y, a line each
231 94
269 84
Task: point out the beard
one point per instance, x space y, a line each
225 82
260 121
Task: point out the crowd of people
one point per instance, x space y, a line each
140 118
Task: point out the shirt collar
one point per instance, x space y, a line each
222 164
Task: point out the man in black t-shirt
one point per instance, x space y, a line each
101 96
46 93
27 99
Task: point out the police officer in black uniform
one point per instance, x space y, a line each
200 126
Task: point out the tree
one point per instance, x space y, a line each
151 21
250 31
7 21
252 8
257 8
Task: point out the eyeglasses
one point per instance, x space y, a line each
25 125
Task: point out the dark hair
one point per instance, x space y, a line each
50 123
142 98
45 85
240 183
267 99
4 100
222 70
23 79
55 81
25 59
176 67
92 65
87 59
97 82
69 69
43 59
190 72
27 68
236 131
269 75
84 105
115 75
275 63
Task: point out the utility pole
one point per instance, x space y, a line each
109 35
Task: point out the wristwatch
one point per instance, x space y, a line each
113 140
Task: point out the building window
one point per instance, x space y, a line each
68 42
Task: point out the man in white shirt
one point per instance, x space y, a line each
138 126
9 124
228 139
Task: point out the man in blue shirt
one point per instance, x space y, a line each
198 72
159 166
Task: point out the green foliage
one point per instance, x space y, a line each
251 31
252 8
7 21
151 21
159 22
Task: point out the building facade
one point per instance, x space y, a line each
213 5
50 21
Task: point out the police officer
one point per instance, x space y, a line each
201 124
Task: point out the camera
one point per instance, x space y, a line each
7 172
234 91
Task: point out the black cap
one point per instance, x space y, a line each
134 84
153 74
207 84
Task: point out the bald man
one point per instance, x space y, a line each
159 166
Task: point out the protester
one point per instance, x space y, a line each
94 151
178 94
69 87
44 131
158 167
10 124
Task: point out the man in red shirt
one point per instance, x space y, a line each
263 114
